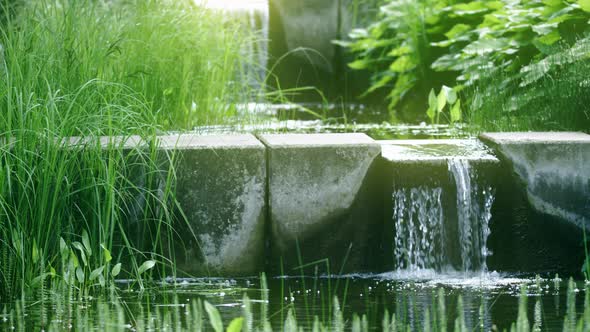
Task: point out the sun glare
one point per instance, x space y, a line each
233 4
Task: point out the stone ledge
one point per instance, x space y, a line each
535 137
435 151
195 141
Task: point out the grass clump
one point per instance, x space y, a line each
90 69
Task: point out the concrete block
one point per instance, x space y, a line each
321 198
554 167
221 188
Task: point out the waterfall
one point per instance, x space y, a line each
418 218
473 215
423 225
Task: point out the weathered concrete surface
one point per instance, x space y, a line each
221 188
320 198
555 168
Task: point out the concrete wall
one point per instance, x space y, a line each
254 203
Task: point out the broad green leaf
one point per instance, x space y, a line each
101 280
441 100
381 83
86 242
457 30
80 274
432 99
456 114
402 64
116 270
95 273
74 259
80 248
399 51
485 46
235 325
214 317
585 5
63 248
469 8
107 253
359 64
450 94
550 38
545 28
431 113
146 266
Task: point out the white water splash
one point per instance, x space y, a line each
473 215
420 219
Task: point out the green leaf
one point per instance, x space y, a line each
86 242
457 30
359 64
74 259
441 100
63 248
399 51
450 94
116 270
94 274
80 248
431 113
456 114
80 274
432 99
214 317
101 280
107 253
584 4
550 38
147 265
381 83
235 325
402 64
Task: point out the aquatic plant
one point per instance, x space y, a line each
111 313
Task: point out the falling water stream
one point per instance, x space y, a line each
423 238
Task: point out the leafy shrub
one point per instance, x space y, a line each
416 46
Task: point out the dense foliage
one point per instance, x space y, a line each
417 46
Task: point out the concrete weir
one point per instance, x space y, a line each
291 203
320 199
554 167
221 188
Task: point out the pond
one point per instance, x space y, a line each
490 301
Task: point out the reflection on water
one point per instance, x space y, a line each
488 299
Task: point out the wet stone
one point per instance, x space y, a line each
322 195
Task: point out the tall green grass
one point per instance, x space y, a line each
553 94
71 68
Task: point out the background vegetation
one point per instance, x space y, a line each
516 64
